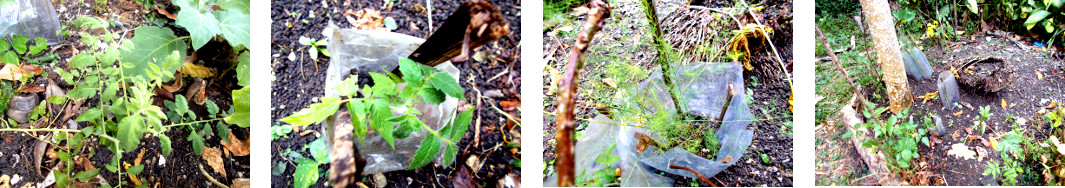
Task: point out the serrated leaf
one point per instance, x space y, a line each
81 60
91 22
223 131
235 26
89 115
197 142
39 45
379 113
84 176
244 69
306 173
202 25
405 128
135 169
130 131
426 152
412 71
164 143
433 95
357 110
317 150
349 87
447 84
383 84
211 107
315 113
242 106
460 124
108 57
449 154
150 45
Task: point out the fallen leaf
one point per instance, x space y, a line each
509 105
1057 143
164 12
368 19
994 143
30 68
1051 105
140 156
132 177
929 96
8 72
241 183
956 134
475 163
556 77
981 152
969 130
610 82
196 91
31 89
304 133
213 156
237 146
959 150
956 114
727 159
195 70
175 85
1004 106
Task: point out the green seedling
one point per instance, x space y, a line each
315 46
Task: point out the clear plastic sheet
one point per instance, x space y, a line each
917 66
379 51
704 89
29 18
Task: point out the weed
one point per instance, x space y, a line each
314 46
897 137
603 177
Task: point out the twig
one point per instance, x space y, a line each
664 52
728 101
598 11
209 178
774 47
857 89
701 177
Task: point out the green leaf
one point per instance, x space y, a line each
306 173
379 114
81 60
317 150
201 24
357 110
150 45
383 84
1035 18
241 5
39 45
9 58
135 169
349 87
197 142
305 41
412 71
19 43
447 84
130 131
406 127
84 176
109 56
315 113
433 95
244 69
89 115
164 143
211 107
430 146
223 131
235 25
91 22
460 124
449 154
241 102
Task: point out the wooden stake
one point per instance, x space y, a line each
598 11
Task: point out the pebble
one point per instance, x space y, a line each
292 56
162 160
15 179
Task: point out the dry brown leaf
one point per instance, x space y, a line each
969 130
213 156
164 12
509 105
30 68
132 177
959 150
1052 104
956 114
196 91
368 19
140 156
556 77
727 159
304 133
9 72
193 69
237 146
175 85
956 134
1004 106
241 183
31 89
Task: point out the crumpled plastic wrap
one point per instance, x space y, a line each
705 87
916 64
29 18
379 51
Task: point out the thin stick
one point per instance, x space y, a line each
728 101
664 51
209 178
771 46
701 177
598 11
828 47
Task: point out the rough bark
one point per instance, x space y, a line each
886 45
598 11
664 56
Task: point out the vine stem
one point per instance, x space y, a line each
598 11
194 122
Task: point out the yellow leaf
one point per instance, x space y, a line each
929 96
196 70
132 177
1004 104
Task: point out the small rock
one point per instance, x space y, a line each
379 180
474 163
15 179
292 56
495 93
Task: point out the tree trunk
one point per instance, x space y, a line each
886 43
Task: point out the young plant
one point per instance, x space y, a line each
315 46
307 170
279 131
896 137
377 104
603 177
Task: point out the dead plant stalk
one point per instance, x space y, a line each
598 11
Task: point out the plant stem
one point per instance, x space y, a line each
473 24
665 53
598 11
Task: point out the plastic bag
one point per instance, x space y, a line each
704 87
705 90
379 51
916 64
29 18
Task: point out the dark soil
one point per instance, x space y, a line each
181 166
771 91
298 82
